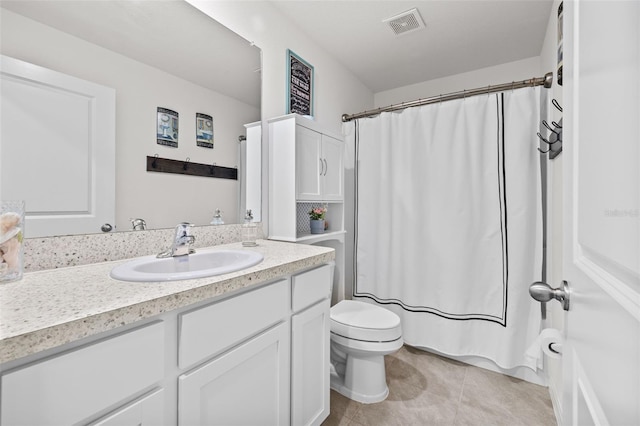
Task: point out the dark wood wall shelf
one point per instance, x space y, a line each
184 167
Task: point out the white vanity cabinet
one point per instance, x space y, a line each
249 385
310 326
79 383
248 380
259 356
306 170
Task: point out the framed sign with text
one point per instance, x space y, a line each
299 85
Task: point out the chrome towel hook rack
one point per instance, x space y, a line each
554 141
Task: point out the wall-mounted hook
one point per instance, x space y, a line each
556 104
545 124
186 163
557 125
543 139
212 168
155 161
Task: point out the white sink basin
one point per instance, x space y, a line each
197 265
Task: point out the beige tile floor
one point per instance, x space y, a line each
426 389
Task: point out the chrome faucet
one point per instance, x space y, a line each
182 241
138 224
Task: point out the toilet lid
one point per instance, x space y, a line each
363 321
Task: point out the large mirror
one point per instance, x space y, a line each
154 54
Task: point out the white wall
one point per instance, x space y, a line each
337 91
504 73
161 199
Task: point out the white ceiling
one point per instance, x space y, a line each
460 36
169 35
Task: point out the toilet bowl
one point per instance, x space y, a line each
361 335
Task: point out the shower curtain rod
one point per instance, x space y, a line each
545 81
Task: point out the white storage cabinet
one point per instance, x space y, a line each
306 170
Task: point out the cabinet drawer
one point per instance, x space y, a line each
70 387
311 286
146 411
214 328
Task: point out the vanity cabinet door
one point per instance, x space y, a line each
248 385
310 365
147 411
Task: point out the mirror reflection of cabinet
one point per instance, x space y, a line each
251 173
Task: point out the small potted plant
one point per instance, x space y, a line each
317 219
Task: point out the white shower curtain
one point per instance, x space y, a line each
448 222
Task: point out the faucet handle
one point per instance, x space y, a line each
183 228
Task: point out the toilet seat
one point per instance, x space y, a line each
362 321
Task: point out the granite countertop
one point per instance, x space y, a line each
49 308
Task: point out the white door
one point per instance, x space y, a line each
61 127
601 360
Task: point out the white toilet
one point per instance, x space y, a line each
361 335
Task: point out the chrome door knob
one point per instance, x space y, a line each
106 227
542 292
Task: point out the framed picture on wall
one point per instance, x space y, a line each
167 128
204 130
299 85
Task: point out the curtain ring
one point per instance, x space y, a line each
186 163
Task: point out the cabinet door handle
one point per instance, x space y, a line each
321 166
326 167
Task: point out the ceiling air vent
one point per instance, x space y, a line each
405 22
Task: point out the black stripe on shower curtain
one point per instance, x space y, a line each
500 187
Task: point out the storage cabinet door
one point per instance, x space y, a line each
309 164
248 385
310 365
333 174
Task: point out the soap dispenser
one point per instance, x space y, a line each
249 230
217 218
